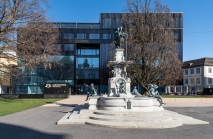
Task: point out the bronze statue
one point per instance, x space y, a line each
152 90
122 87
93 91
119 38
135 92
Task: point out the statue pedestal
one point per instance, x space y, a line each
114 87
119 55
93 103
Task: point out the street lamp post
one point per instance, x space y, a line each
91 70
126 37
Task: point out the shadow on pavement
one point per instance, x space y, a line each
8 131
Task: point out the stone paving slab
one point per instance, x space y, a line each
193 122
170 102
146 125
168 124
188 100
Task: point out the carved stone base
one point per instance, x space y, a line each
93 103
114 87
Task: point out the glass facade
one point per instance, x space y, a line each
107 23
106 36
68 47
68 36
81 36
32 81
94 36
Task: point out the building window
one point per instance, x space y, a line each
197 70
88 51
177 22
59 36
176 36
68 47
186 72
209 70
81 36
107 23
191 71
117 22
106 36
94 36
88 66
192 81
68 36
209 80
186 81
198 81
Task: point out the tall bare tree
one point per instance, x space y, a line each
152 45
26 37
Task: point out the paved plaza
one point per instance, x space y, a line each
40 123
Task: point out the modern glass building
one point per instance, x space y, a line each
86 50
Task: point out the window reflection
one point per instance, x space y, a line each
107 23
68 36
68 47
106 36
88 52
87 62
32 81
87 68
94 36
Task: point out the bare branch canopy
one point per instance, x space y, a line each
27 39
152 46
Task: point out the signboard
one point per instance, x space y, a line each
56 88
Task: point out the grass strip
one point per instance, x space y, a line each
9 106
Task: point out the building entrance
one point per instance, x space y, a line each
87 67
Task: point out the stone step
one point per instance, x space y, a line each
111 124
129 119
193 122
157 125
124 118
68 121
128 113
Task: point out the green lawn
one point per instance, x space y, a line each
178 96
9 106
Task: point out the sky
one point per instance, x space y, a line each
197 19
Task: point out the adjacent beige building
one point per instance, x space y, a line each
198 74
7 60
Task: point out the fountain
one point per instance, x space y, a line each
119 97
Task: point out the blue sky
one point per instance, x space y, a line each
198 19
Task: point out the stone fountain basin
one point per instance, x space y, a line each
142 104
119 62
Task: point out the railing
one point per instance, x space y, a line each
78 25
